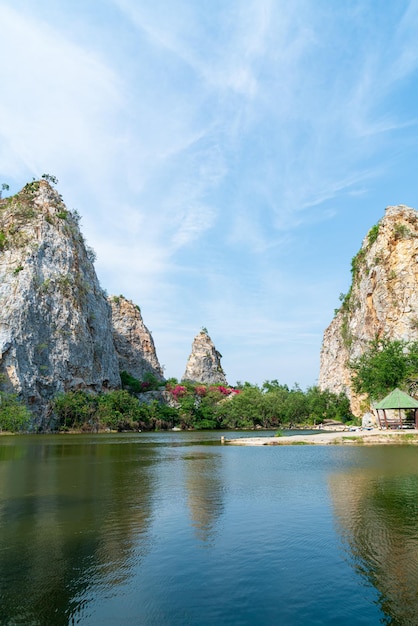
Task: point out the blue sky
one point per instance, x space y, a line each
227 157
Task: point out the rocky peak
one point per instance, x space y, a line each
133 341
204 363
55 321
382 300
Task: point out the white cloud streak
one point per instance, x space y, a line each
202 140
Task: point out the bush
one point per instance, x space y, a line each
201 407
75 409
373 234
150 382
119 410
14 416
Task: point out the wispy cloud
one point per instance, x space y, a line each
199 140
56 99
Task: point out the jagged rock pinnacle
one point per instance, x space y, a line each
133 341
204 363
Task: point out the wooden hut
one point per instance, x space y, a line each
390 409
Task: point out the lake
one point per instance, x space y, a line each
173 528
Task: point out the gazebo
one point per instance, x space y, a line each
396 400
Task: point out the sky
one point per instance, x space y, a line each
227 156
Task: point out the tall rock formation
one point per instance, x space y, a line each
204 363
382 301
55 321
133 341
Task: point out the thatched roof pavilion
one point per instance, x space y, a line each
396 400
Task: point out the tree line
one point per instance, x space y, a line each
384 365
186 406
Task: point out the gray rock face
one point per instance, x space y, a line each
55 321
383 299
133 341
204 363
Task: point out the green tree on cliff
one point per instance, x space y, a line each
385 365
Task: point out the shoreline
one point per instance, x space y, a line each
360 437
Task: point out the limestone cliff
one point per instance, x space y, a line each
204 363
383 298
133 341
55 321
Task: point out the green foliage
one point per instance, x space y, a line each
130 382
373 234
32 187
62 215
4 187
385 365
14 416
402 231
3 240
117 410
357 262
328 405
200 407
274 405
150 382
45 285
75 215
53 180
18 269
64 283
74 409
91 254
345 333
196 405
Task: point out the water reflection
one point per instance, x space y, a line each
139 529
204 484
71 518
377 513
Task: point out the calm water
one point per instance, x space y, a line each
176 529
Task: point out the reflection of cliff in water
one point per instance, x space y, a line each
71 516
204 486
377 514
